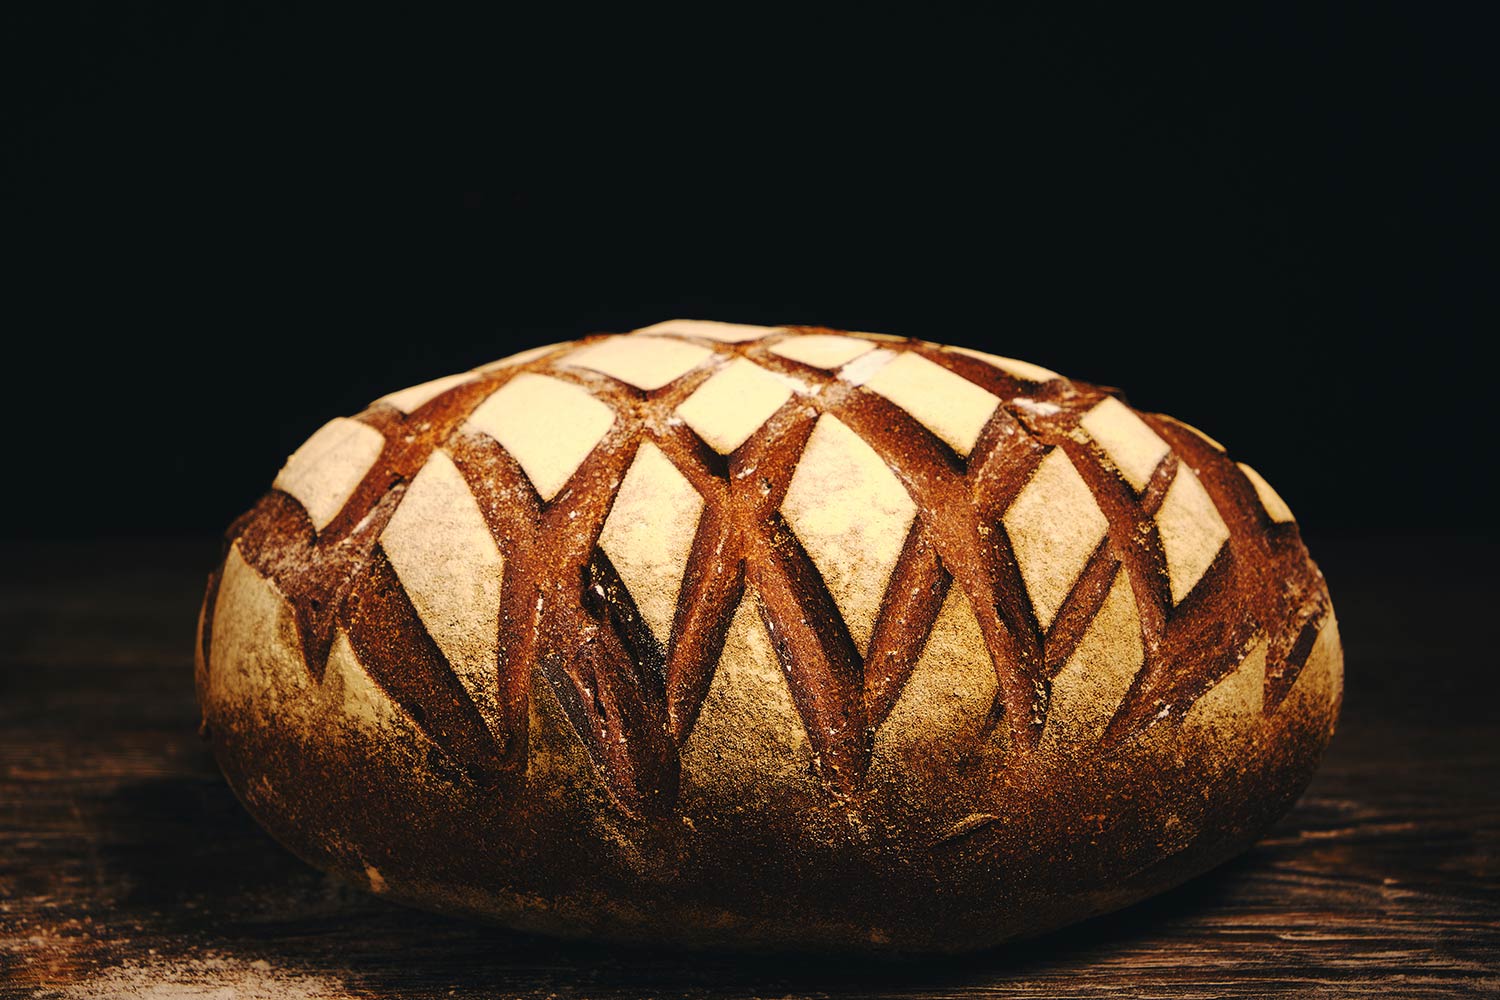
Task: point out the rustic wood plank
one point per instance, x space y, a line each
127 868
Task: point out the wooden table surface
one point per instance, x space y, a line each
128 869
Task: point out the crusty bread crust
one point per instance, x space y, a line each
764 637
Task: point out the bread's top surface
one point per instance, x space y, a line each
623 513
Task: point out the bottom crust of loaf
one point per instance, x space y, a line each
936 852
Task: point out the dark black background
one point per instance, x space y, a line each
228 227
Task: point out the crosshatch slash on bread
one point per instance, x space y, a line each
596 516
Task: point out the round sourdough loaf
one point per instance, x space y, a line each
739 636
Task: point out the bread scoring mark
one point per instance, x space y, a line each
549 426
1194 639
441 549
747 729
851 514
645 362
863 368
557 759
256 656
259 669
754 547
1091 685
1024 370
1192 532
913 601
727 333
649 535
326 470
1320 681
1134 448
1210 441
1080 607
1054 525
652 690
1284 598
417 396
735 401
316 571
396 649
566 614
347 684
822 350
960 511
948 703
950 406
524 357
1275 507
1236 701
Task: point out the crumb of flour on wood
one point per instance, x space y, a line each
209 978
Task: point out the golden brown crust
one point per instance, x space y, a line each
776 637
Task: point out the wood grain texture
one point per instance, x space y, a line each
126 864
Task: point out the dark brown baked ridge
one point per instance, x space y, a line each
568 620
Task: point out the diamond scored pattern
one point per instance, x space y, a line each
418 396
649 534
822 350
725 333
1133 447
549 427
324 473
851 514
1192 532
1275 507
1024 370
446 559
645 362
1054 526
733 403
848 509
949 405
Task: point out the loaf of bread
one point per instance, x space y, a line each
757 637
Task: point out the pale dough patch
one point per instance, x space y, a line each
1088 690
1321 683
557 762
323 474
822 350
255 665
548 426
1192 532
1211 442
352 693
451 568
863 368
1132 446
1054 526
649 535
949 405
644 362
727 333
1235 702
851 514
748 738
417 396
1020 369
948 697
1276 507
521 358
733 403
257 668
258 682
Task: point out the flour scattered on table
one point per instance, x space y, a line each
210 978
